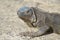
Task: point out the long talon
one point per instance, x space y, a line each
30 34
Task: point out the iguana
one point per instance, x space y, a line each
39 18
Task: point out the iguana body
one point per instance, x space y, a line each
37 17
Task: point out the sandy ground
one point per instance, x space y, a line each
11 25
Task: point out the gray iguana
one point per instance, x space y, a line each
39 18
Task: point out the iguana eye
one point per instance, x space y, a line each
28 11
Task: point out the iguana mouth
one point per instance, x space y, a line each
35 16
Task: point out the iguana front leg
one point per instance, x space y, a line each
40 32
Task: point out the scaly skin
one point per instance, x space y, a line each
38 18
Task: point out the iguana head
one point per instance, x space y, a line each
27 14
